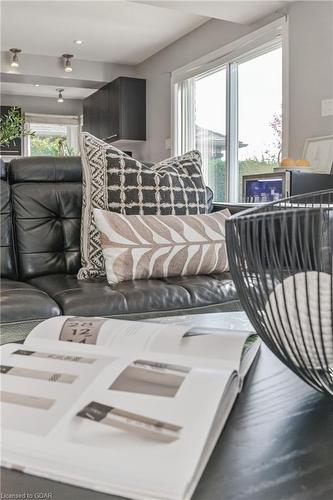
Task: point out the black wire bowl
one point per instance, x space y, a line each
281 259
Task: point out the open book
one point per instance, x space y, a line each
128 408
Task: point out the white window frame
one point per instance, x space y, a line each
261 41
48 119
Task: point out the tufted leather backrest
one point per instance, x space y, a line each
46 196
46 203
7 260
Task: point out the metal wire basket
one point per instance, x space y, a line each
281 259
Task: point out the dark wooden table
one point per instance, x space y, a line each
277 445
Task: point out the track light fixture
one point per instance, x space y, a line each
67 62
15 61
60 98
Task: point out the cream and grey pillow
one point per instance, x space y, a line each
116 182
152 246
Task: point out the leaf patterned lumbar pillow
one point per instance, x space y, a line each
152 246
116 182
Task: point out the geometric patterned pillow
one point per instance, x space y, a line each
116 182
155 246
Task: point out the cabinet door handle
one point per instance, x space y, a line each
106 139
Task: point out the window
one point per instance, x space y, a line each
210 127
230 108
260 114
53 135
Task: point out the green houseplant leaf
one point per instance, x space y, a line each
12 126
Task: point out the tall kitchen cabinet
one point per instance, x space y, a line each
117 111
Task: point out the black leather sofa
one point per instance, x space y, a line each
40 256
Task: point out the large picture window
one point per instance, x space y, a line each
210 127
260 113
232 113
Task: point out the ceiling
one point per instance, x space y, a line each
44 90
118 32
234 11
114 31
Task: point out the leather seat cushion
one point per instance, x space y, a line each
97 298
23 302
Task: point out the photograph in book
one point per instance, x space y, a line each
47 355
132 422
24 400
113 410
82 330
63 378
147 377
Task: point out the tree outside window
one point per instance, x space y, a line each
53 140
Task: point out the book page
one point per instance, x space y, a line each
225 346
139 422
116 336
123 423
250 351
235 326
121 337
40 382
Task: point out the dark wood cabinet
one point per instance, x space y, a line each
14 148
117 111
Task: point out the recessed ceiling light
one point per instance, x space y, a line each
78 42
36 84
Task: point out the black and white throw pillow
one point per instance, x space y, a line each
116 182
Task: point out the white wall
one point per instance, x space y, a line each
49 69
310 71
310 78
43 105
157 69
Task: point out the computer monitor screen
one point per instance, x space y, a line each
263 190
